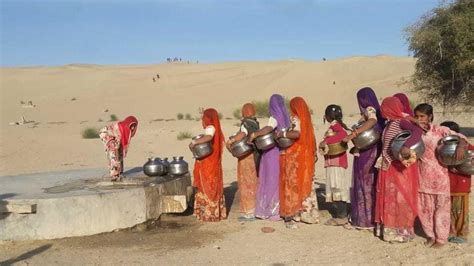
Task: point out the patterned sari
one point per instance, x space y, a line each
209 205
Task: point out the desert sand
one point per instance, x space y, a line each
68 99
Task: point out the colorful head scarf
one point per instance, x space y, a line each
208 177
366 97
392 108
248 110
126 132
307 143
405 102
278 110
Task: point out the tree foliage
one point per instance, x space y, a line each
442 41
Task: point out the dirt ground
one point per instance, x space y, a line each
181 240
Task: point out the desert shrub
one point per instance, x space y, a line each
184 135
188 117
237 114
113 117
90 133
180 116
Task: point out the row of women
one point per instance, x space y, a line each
386 194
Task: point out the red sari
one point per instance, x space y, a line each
209 204
397 185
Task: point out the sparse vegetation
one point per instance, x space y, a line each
221 116
113 117
100 120
237 113
90 133
184 135
180 116
188 117
442 42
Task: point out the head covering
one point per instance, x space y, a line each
126 132
248 110
307 143
392 108
207 172
405 102
366 97
278 110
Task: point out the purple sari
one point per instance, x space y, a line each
268 189
364 173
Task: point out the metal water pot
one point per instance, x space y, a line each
265 142
283 142
200 151
178 166
154 167
400 139
446 151
240 148
467 168
367 138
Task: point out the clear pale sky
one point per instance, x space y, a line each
142 32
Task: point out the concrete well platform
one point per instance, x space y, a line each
82 202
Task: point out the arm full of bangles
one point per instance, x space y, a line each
370 123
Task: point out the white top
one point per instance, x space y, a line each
296 122
272 122
210 130
243 129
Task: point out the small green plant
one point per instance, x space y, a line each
113 117
236 113
221 116
90 133
184 135
261 108
180 116
188 117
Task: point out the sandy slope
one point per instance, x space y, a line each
53 142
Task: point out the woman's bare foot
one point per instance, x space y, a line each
437 245
430 242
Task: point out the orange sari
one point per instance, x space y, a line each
297 163
209 202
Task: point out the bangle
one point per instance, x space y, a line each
284 134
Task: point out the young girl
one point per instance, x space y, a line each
434 203
460 189
116 138
337 180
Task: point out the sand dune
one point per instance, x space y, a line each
72 97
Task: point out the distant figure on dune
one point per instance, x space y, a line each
334 83
324 59
154 79
116 138
157 76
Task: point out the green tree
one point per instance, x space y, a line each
442 41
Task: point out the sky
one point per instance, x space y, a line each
59 32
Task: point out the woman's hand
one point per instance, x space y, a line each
405 153
460 152
278 134
250 138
